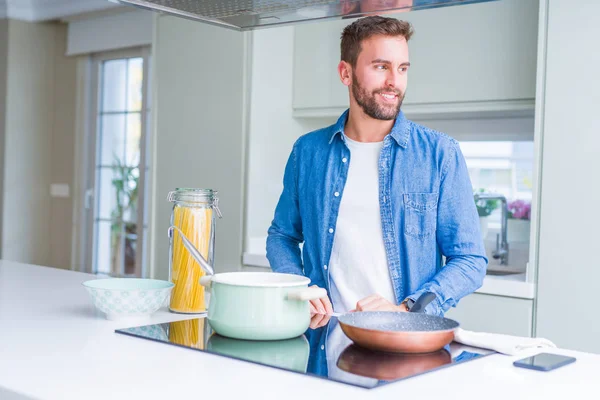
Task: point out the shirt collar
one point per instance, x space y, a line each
400 131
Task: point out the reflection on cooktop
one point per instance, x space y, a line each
323 352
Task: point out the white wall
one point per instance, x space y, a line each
129 28
273 130
62 150
569 270
39 132
3 74
199 129
27 164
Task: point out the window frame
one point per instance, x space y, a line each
141 269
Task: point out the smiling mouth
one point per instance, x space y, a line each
389 97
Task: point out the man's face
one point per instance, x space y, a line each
380 76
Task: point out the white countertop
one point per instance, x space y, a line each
55 345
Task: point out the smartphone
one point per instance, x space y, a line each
544 362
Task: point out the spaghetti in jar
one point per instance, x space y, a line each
194 214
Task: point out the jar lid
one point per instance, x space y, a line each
196 196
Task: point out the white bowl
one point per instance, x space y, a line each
128 297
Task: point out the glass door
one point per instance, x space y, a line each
115 198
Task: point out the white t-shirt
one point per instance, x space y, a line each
358 263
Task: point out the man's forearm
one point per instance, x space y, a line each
283 253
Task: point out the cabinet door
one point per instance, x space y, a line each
494 314
568 266
478 52
316 55
482 52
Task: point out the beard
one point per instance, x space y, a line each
368 101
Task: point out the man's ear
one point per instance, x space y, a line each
345 72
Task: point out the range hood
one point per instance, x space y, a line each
243 15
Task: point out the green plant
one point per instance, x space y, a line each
125 181
484 207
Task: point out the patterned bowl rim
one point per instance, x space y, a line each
169 285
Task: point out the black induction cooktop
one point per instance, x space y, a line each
323 352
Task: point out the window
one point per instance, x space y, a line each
121 122
501 167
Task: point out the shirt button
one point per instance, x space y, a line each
330 230
336 194
344 159
322 347
324 266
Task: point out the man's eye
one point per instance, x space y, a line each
381 67
403 69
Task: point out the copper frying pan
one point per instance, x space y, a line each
389 366
399 332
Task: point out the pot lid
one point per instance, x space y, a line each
260 279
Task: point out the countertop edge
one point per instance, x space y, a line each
500 286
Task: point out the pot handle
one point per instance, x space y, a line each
310 293
206 280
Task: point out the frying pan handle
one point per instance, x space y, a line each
422 302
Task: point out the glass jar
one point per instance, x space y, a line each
193 214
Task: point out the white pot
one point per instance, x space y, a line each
483 226
518 230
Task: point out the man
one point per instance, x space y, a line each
377 199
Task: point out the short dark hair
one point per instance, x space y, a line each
364 28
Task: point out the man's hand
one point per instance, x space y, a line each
321 306
318 320
377 303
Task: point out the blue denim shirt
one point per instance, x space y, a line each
426 203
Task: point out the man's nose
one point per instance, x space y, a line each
392 79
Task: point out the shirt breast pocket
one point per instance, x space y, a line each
420 217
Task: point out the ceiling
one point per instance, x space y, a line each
42 10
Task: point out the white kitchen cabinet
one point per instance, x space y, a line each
474 57
495 314
568 271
